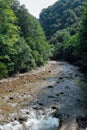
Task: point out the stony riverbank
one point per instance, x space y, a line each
18 91
54 89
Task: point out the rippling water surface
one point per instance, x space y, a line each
35 121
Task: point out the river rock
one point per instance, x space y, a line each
57 94
41 104
50 86
57 81
11 98
61 92
51 96
22 119
61 77
36 107
53 107
82 121
76 75
70 124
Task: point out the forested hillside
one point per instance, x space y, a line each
63 14
65 26
23 45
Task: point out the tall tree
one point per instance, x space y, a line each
33 34
23 45
15 54
83 40
8 34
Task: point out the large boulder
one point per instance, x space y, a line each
69 124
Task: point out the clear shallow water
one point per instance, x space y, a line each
35 121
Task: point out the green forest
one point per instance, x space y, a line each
65 27
26 42
23 45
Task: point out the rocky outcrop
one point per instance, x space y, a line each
69 124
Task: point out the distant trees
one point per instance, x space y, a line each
63 14
76 46
23 45
82 47
65 26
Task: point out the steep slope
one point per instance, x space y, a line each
65 26
23 44
63 14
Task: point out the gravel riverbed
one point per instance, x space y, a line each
51 95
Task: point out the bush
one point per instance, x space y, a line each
3 70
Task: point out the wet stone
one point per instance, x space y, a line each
57 94
76 75
61 92
61 77
51 86
41 104
27 113
36 107
10 90
70 124
67 87
11 98
78 100
44 78
3 97
57 81
53 107
22 119
50 96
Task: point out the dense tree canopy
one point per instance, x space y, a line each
63 14
82 47
22 41
65 26
33 34
76 46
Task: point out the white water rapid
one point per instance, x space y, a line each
35 121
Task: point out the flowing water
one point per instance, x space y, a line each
62 97
36 120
